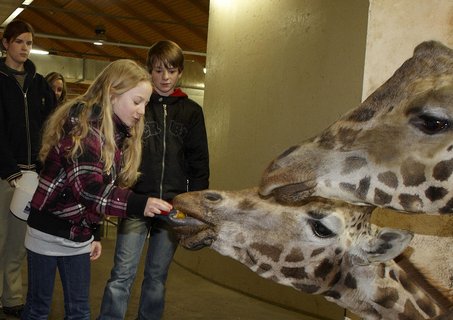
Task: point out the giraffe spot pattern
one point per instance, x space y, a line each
426 306
407 285
245 205
326 140
382 198
448 207
335 279
350 281
308 288
352 164
362 115
263 267
346 137
364 186
436 193
413 173
296 273
317 252
409 313
409 201
389 179
272 252
324 268
387 297
442 171
296 255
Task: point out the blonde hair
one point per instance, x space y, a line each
117 78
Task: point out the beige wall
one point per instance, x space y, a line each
277 73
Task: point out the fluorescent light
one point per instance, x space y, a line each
12 16
97 43
37 51
16 12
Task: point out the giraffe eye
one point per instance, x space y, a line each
321 230
431 124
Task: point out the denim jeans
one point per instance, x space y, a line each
75 278
131 237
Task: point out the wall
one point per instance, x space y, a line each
277 72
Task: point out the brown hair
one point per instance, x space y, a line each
167 52
51 77
14 29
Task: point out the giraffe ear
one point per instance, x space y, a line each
388 244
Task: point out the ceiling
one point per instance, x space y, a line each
68 27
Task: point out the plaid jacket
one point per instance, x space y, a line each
72 196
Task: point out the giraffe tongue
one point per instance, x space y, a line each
179 218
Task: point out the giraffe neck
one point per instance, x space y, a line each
386 291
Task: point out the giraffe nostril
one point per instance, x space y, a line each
212 196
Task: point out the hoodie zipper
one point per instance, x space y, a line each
164 150
27 123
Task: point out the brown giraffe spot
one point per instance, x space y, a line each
407 284
413 173
335 279
349 187
380 272
409 201
350 281
448 207
287 152
442 171
346 136
245 205
364 186
386 297
338 251
436 193
392 275
426 306
327 140
381 198
324 268
273 252
307 288
389 179
263 267
317 251
352 164
409 313
295 255
296 273
361 115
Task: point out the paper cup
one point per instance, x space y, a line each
25 188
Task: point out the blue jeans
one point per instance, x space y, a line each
75 278
131 237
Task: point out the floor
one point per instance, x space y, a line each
189 296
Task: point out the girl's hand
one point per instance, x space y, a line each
156 206
96 249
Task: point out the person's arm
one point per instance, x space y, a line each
197 154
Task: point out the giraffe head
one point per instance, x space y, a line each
395 150
319 247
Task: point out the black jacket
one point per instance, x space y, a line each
175 149
22 115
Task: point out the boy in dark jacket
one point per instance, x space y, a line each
175 160
25 102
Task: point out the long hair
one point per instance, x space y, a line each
54 76
117 78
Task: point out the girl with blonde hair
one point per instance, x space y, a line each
91 153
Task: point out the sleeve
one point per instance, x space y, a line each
196 152
8 165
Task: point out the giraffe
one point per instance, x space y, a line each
318 246
395 150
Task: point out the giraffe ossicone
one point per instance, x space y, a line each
319 246
395 150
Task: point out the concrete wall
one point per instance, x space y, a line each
278 71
